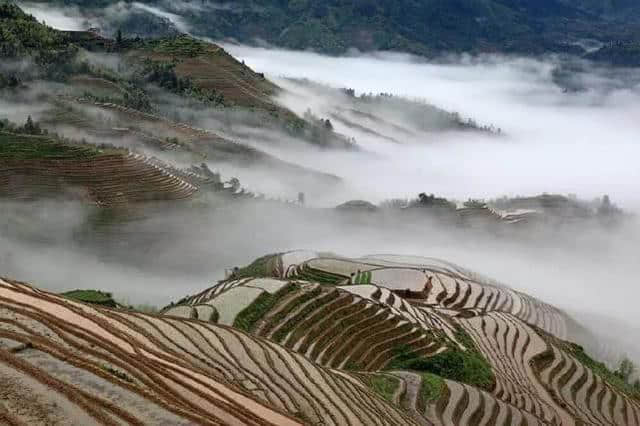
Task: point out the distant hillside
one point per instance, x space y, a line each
428 27
142 95
425 27
36 166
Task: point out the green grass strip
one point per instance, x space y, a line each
91 296
249 316
431 388
383 385
469 366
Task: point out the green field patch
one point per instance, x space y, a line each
431 388
363 278
385 386
303 314
308 273
182 45
263 267
94 297
300 299
466 366
25 147
249 316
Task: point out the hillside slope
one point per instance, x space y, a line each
63 362
404 340
456 347
422 27
35 166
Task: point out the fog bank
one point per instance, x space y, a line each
557 142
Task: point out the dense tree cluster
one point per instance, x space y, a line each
164 75
22 34
419 26
30 127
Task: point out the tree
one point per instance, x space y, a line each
119 36
626 370
31 128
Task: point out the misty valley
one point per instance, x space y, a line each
209 216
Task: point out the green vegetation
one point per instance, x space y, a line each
431 388
261 267
467 366
475 204
302 298
22 34
284 330
425 27
164 75
94 297
363 278
248 317
30 127
353 366
215 317
182 45
619 379
308 273
119 374
383 385
144 308
26 147
133 97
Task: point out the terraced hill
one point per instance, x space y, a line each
211 68
33 166
442 343
63 362
153 131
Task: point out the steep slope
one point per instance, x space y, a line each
33 166
123 91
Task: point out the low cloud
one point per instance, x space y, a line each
553 141
68 18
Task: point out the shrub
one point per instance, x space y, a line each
95 297
467 366
431 388
383 385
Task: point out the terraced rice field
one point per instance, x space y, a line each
63 362
286 350
433 284
213 68
330 326
585 395
353 314
39 167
